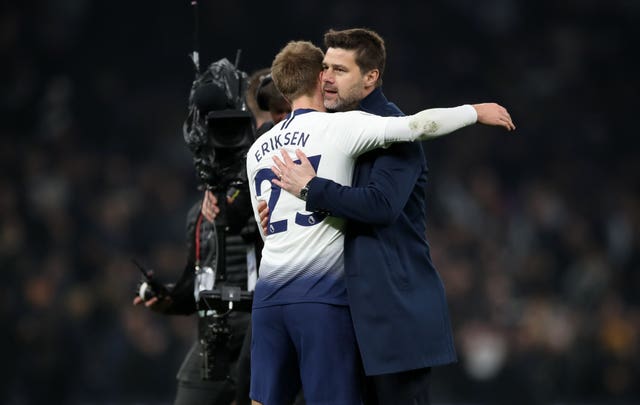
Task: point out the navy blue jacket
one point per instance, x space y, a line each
396 296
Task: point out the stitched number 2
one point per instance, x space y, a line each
267 175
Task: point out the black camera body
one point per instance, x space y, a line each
219 128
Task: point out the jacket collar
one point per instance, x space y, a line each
374 102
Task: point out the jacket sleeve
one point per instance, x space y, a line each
182 300
393 177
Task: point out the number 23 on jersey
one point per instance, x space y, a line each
277 226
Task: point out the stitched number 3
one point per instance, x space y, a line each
301 219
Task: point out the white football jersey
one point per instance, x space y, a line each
302 258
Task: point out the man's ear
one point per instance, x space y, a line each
371 77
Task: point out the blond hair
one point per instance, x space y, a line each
296 69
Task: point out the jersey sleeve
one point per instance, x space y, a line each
430 123
357 132
361 132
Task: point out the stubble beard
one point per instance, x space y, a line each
342 104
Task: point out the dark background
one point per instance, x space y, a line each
535 233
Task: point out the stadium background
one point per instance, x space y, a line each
535 233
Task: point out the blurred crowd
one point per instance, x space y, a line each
536 234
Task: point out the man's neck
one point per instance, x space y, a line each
309 102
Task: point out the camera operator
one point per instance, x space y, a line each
222 241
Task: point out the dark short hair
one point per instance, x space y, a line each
255 80
268 94
368 46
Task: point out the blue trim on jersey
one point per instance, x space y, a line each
298 111
329 288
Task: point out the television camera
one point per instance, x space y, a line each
218 130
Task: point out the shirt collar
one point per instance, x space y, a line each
298 111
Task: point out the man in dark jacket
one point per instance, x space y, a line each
396 296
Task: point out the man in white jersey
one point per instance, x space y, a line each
302 330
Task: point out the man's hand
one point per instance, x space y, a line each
210 206
137 301
154 303
263 211
494 114
292 177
